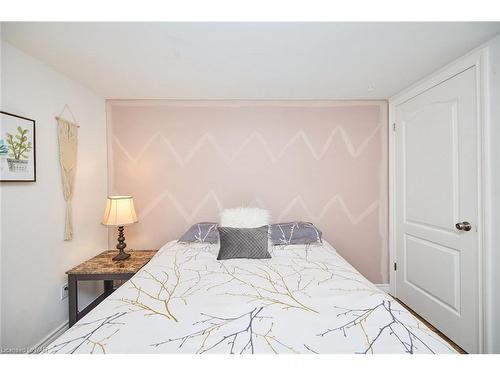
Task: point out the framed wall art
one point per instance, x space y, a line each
17 148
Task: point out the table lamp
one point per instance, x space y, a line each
120 212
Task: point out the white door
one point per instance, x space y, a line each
436 199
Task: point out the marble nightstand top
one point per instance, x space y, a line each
104 264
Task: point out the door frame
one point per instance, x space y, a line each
479 60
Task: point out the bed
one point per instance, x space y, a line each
305 299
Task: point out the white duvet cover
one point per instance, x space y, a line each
305 299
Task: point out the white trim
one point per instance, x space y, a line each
392 209
479 60
1 320
109 163
50 338
383 287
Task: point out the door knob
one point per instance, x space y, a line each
464 225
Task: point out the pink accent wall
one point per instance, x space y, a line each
318 161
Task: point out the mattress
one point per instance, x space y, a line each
305 299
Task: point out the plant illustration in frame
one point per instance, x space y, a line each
17 148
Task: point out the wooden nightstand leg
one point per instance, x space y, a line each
72 299
108 287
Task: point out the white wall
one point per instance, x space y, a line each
34 256
494 113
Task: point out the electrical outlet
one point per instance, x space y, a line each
64 291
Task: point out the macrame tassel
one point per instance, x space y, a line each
68 229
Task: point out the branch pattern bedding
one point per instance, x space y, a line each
305 299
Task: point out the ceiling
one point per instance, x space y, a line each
247 60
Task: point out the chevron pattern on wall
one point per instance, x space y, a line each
318 161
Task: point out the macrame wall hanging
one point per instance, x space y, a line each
68 145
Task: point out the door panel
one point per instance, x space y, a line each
436 187
445 267
437 161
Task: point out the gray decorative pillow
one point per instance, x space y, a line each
248 243
201 232
294 233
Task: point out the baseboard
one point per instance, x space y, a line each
384 287
51 337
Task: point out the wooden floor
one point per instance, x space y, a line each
434 329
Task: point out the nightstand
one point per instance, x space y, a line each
102 267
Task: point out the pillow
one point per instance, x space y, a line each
248 243
244 217
201 232
294 233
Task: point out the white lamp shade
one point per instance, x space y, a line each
119 211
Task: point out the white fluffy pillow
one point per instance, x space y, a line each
244 217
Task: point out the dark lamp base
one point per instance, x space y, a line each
122 255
